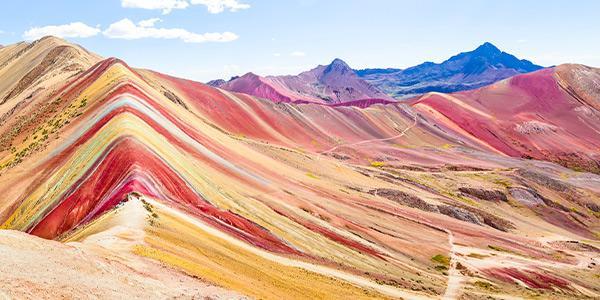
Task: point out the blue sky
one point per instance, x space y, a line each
288 36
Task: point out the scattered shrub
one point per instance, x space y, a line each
442 259
377 164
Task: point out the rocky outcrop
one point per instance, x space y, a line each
575 246
490 219
405 199
526 196
460 214
534 127
488 195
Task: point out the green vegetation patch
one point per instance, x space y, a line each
477 255
377 164
484 285
311 175
442 259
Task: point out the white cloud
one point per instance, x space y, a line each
165 5
213 6
298 54
218 6
126 29
149 22
72 30
277 54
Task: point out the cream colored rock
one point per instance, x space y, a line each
34 268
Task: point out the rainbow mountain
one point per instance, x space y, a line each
156 186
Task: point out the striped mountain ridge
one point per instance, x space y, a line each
279 200
334 83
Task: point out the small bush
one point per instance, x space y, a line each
442 259
477 255
441 268
377 164
484 285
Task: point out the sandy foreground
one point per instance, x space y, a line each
34 268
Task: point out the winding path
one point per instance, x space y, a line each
375 140
454 276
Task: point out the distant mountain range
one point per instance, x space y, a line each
468 70
338 83
333 83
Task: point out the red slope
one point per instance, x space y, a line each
253 84
531 115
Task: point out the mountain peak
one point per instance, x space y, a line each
338 66
339 62
247 75
52 38
217 82
464 71
487 48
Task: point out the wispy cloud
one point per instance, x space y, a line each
166 6
128 30
218 6
298 54
72 30
277 54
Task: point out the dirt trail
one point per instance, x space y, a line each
454 276
375 140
